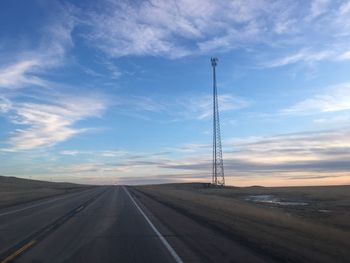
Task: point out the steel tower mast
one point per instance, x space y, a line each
218 163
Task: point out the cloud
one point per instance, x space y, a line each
97 154
25 66
165 28
344 56
334 120
322 34
175 29
201 106
18 74
5 104
70 152
315 157
309 57
315 152
43 124
152 25
44 117
333 99
143 103
344 8
319 7
194 107
114 71
287 159
306 56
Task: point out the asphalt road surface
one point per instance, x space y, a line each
110 224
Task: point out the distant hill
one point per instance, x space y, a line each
14 190
11 181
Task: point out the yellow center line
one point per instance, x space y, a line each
19 251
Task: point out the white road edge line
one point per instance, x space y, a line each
166 244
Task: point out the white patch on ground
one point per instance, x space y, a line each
271 199
324 211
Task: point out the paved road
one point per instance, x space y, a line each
109 229
21 221
107 224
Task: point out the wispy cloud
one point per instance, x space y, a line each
315 152
332 99
321 35
306 56
344 8
333 120
152 24
144 103
24 66
319 7
18 74
164 28
44 117
43 124
70 152
311 56
288 159
181 28
184 108
344 56
5 104
201 107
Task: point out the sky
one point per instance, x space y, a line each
119 92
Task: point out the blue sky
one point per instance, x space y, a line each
119 91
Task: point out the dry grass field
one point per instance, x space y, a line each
291 224
16 190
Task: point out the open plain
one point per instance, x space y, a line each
194 222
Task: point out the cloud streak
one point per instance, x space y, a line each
190 27
333 99
44 117
47 123
18 74
162 28
193 107
289 159
201 106
25 67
